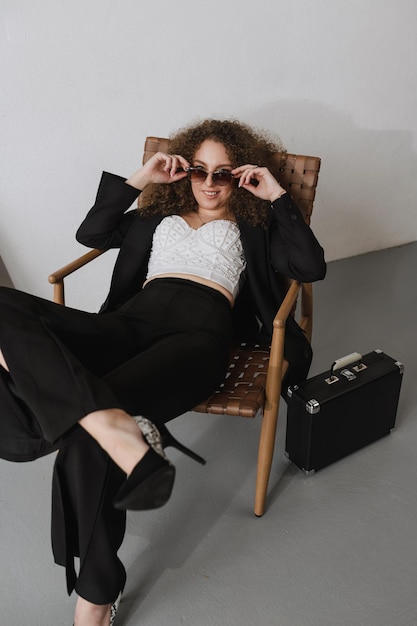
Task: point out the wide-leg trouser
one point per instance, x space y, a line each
158 355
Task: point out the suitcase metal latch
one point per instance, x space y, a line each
348 374
312 406
291 390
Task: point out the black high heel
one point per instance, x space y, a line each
169 441
150 484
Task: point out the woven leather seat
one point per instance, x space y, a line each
243 391
253 380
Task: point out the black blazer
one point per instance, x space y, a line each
287 247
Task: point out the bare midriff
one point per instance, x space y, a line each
197 279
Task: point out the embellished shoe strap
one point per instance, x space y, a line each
151 434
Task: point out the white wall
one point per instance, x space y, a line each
84 81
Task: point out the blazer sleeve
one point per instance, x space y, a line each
294 250
107 223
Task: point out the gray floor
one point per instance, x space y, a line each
334 549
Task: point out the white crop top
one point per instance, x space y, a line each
213 251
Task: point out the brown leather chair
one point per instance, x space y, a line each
253 382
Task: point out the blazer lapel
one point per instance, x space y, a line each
131 265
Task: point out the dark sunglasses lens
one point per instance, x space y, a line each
219 178
222 178
197 175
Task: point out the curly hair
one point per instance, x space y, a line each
243 145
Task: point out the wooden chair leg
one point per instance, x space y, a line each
59 293
265 455
266 448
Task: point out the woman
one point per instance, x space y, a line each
197 268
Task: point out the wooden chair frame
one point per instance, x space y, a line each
253 381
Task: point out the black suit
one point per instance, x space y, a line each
287 247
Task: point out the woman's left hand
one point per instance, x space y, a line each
266 187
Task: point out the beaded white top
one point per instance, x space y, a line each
213 251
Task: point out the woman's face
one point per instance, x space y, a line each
211 156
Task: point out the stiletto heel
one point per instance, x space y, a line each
159 437
150 484
169 441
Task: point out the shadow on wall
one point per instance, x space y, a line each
5 280
366 186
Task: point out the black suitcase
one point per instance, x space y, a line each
342 410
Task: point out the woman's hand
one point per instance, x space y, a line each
160 168
266 187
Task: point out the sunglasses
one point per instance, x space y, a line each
199 175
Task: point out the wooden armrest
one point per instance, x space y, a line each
74 266
287 305
277 366
57 278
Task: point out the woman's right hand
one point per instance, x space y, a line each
160 168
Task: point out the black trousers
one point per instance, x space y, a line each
158 355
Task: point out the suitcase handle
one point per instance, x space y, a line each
344 361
